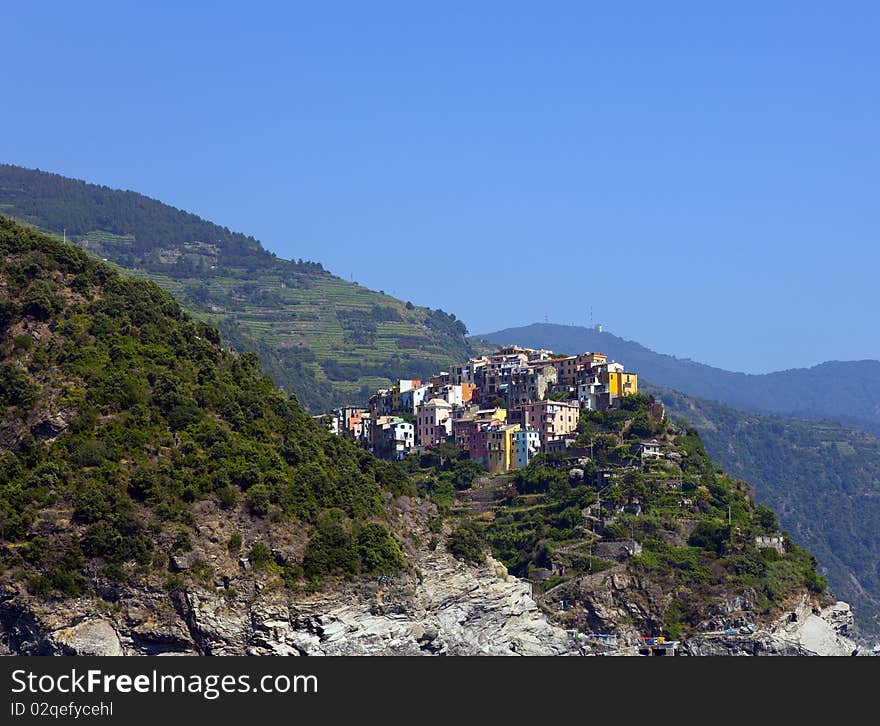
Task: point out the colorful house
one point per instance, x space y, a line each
393 437
501 449
623 383
411 399
551 419
433 422
526 443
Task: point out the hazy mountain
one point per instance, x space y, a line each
844 391
327 339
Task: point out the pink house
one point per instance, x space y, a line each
433 422
551 419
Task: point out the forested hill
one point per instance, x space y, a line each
844 391
822 479
327 339
144 233
128 434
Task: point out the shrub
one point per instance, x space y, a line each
466 542
16 389
40 301
22 342
378 551
331 549
260 556
257 498
766 518
710 536
228 496
8 312
183 415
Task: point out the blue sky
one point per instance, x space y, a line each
704 175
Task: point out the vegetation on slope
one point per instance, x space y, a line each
695 524
329 340
822 478
121 418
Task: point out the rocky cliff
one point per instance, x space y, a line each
449 608
610 601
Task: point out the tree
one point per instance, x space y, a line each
766 518
466 542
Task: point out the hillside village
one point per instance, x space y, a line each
643 536
615 516
502 409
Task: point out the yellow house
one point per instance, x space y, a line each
491 414
623 383
502 449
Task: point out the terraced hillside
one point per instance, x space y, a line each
658 540
823 479
327 339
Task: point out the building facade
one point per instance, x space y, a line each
551 419
526 443
501 450
433 422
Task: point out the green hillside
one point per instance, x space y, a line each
329 340
561 520
125 427
822 479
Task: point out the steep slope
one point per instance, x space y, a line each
822 479
122 419
844 391
327 339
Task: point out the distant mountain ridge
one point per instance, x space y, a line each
329 340
843 391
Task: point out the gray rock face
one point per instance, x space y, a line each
803 631
49 428
448 609
454 609
90 637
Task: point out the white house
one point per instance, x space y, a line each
651 449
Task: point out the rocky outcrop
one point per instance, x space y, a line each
627 605
806 630
454 609
444 607
89 637
818 631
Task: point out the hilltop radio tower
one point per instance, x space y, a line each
594 326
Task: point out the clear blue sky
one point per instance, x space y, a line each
705 175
